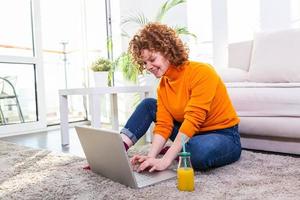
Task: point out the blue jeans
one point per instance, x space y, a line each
208 150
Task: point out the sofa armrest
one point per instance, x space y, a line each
239 55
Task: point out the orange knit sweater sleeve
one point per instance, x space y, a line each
164 122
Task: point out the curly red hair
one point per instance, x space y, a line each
159 38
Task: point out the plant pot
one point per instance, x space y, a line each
101 79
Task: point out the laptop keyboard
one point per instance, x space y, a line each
148 178
144 177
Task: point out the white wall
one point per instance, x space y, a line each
200 23
275 15
236 20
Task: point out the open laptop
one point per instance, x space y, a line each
106 155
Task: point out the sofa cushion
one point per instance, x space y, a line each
239 55
265 100
275 57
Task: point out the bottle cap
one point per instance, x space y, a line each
184 154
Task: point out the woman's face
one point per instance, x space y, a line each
155 63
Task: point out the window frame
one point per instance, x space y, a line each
36 61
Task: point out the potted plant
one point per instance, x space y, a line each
128 68
102 69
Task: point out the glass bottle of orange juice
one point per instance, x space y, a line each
185 173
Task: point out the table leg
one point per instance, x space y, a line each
94 101
64 119
114 112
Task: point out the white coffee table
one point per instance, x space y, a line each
94 103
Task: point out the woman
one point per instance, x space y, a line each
192 102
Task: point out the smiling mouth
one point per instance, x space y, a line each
153 71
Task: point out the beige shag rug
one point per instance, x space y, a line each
27 173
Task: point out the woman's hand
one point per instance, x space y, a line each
141 163
136 161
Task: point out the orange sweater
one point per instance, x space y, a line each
196 96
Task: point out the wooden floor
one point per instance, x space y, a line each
50 140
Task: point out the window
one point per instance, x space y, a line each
17 93
15 18
21 77
74 35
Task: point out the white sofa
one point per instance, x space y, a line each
263 81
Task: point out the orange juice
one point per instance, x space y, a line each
185 179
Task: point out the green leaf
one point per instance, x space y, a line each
125 34
101 64
128 67
140 19
184 31
169 4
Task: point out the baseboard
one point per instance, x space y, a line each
48 128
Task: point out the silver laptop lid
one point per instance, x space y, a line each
106 155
